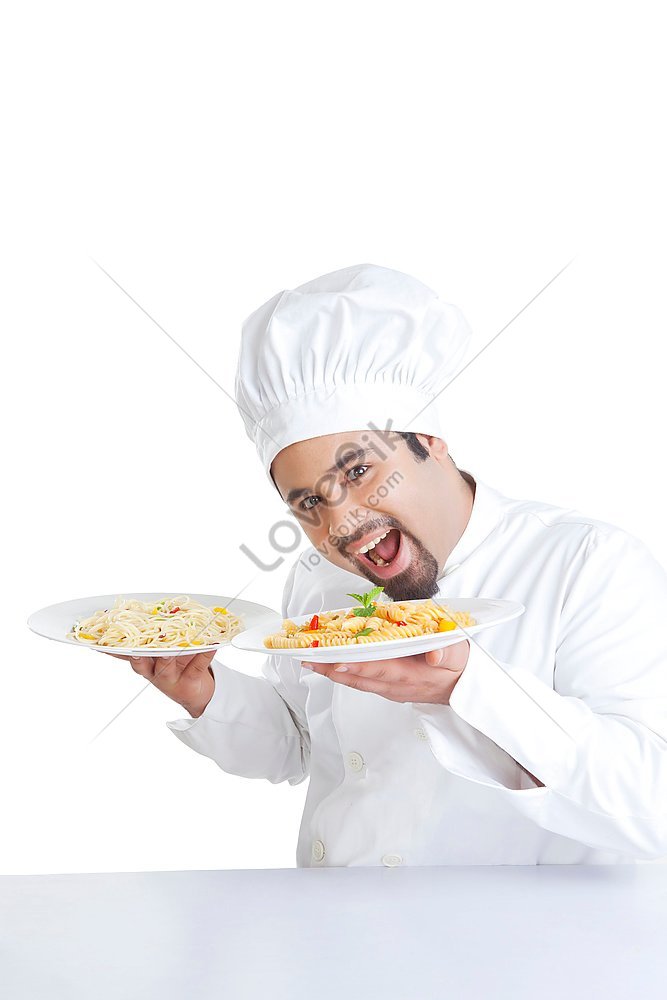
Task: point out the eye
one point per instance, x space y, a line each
307 505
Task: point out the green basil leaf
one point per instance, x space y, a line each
364 631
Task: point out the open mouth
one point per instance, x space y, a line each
382 550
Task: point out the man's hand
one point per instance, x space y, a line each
429 677
187 680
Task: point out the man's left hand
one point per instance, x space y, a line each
429 677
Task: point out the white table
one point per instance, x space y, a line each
374 933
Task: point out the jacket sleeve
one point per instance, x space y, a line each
254 726
596 739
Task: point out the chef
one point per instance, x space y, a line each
539 741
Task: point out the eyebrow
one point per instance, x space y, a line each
342 463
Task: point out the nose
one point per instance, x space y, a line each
346 519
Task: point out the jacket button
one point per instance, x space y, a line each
318 850
421 734
392 860
355 761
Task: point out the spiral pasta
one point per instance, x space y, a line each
171 622
376 623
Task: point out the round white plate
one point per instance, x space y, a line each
55 621
486 611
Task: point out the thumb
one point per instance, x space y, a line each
434 657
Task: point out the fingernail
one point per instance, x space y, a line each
340 670
306 666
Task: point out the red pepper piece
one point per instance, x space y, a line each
174 610
314 623
315 642
401 623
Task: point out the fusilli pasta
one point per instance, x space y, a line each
372 623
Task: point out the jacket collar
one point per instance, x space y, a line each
487 510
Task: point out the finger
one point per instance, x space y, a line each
202 661
385 689
434 657
143 665
455 655
384 671
393 691
168 668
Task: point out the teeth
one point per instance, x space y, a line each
373 543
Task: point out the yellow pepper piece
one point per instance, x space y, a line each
197 642
84 635
182 643
154 611
445 625
221 611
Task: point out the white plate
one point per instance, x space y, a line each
486 611
55 621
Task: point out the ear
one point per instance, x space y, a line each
436 446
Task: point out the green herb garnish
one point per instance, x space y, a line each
367 602
364 631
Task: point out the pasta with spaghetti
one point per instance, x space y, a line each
373 621
169 623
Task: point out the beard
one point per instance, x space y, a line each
418 581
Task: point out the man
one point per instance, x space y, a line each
542 740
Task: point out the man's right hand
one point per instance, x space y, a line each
185 679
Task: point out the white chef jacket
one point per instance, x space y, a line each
574 692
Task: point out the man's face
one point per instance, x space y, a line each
351 490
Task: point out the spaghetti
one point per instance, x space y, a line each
171 622
372 622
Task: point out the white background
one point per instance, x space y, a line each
208 156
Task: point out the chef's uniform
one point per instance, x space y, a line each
553 748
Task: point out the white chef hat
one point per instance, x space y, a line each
363 347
